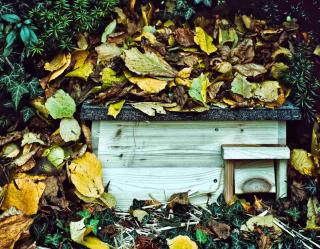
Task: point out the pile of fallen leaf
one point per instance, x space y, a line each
174 66
52 193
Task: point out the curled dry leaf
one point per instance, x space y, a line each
30 138
55 74
58 62
24 193
178 199
250 69
10 150
181 242
11 229
151 108
107 52
86 175
86 131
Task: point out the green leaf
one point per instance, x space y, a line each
311 187
84 213
242 86
53 239
11 37
111 27
27 113
198 90
11 18
55 156
61 105
93 224
147 64
25 35
201 236
17 91
205 2
34 88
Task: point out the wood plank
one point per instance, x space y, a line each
254 176
177 144
233 152
228 180
161 183
282 178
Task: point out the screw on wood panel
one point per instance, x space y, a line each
216 129
215 180
242 130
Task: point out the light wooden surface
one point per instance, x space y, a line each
160 183
228 179
176 144
233 152
254 176
162 158
282 178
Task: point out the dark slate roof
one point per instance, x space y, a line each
285 113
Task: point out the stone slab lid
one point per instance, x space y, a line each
285 113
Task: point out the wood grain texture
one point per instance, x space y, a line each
254 176
282 178
160 183
228 180
177 144
238 152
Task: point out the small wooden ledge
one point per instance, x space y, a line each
285 113
255 152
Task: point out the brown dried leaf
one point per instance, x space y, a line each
222 230
178 199
11 137
11 229
184 37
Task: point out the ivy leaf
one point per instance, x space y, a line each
311 187
93 224
17 91
53 239
84 213
237 221
27 113
34 88
201 236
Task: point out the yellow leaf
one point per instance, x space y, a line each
61 70
82 72
149 36
94 243
58 62
86 175
79 57
181 242
183 82
139 214
149 85
317 50
185 72
109 77
204 41
82 42
12 227
115 108
24 194
78 231
278 69
281 51
108 199
302 161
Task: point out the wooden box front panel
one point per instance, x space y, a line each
161 158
